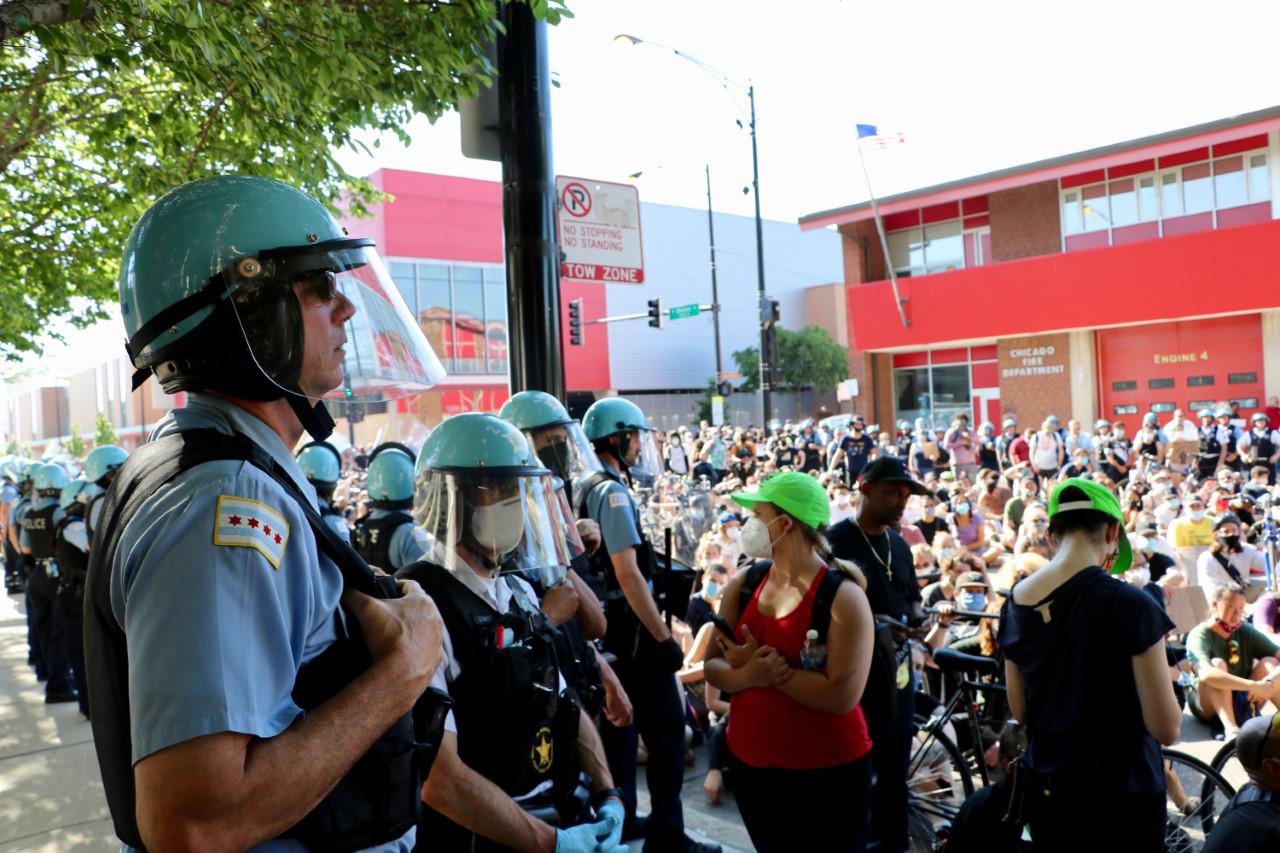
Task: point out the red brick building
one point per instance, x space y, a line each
1131 278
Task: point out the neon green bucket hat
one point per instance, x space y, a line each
796 494
1100 499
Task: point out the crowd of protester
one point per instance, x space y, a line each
1196 503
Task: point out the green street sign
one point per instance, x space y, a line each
681 312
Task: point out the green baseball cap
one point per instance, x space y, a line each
1100 499
796 494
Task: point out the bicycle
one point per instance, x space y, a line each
1192 816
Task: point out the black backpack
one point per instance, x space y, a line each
879 701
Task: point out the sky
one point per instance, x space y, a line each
973 87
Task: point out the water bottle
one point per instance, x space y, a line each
814 654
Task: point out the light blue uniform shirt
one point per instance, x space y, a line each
339 525
225 623
408 544
8 493
610 506
76 534
20 509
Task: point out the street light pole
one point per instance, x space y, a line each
750 91
715 293
765 372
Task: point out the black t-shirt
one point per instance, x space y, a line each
785 457
857 449
888 596
932 528
1249 825
1084 719
698 614
1159 564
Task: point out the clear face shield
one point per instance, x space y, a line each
482 522
565 450
640 452
377 354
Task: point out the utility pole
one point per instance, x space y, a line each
529 203
715 293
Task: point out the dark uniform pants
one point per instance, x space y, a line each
659 717
890 759
71 608
45 618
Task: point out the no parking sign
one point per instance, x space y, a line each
599 225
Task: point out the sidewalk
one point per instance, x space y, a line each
51 798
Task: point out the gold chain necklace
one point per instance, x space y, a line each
888 567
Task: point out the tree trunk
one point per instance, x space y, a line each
16 16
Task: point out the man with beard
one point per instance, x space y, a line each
871 540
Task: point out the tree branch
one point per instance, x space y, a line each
208 125
17 16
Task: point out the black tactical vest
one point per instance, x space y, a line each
372 538
378 800
73 564
39 526
577 661
1261 448
515 728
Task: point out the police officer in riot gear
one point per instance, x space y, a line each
507 774
561 445
47 620
14 578
647 654
13 548
99 467
1212 450
71 551
386 537
250 678
322 465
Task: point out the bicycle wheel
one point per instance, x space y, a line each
938 770
1229 766
1197 796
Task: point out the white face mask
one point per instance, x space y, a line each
1138 577
499 527
756 541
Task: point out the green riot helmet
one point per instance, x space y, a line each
610 424
557 439
103 461
321 464
390 478
485 499
24 469
249 287
49 479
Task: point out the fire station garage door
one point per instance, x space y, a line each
1191 364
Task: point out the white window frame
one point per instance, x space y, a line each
1158 176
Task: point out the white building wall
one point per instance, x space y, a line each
677 270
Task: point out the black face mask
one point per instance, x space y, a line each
1232 542
556 457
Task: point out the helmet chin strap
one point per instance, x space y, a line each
315 418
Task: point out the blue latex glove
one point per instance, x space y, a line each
612 813
581 839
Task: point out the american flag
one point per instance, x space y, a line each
871 137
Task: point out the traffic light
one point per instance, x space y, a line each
770 312
575 322
725 388
655 313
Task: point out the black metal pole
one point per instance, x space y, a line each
529 204
755 190
715 293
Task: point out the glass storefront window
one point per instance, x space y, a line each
1148 206
468 320
1124 203
1096 214
1071 213
1197 188
934 393
1170 197
435 310
906 247
943 247
911 393
1229 182
1259 179
495 310
402 274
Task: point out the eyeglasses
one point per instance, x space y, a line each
322 284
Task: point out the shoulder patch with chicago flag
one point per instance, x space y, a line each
246 523
618 500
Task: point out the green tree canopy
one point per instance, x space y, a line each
107 104
807 357
75 444
104 431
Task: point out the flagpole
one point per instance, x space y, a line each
884 241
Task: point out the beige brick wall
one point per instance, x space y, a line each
1035 378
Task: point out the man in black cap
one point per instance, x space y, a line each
1251 824
871 540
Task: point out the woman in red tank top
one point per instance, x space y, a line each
801 772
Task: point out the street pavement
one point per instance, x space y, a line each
51 797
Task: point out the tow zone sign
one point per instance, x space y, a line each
599 231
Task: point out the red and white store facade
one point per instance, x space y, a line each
1140 277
